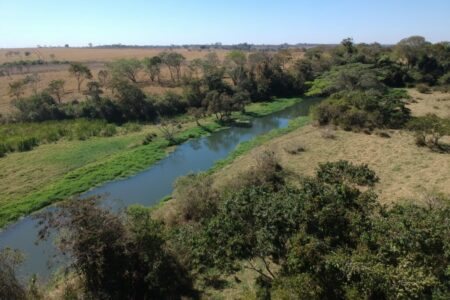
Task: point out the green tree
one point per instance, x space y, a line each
152 66
173 61
235 62
80 72
118 258
17 88
56 89
125 69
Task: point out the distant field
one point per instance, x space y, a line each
95 58
94 54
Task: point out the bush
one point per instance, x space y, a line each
195 198
27 144
149 138
343 171
38 108
423 88
429 130
358 110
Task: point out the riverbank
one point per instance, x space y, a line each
35 179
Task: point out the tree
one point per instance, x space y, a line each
38 108
17 88
348 46
33 80
103 77
80 72
235 62
173 61
118 257
169 129
56 89
152 66
410 49
94 90
431 127
125 69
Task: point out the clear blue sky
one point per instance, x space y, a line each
79 22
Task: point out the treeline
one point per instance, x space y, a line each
321 237
210 87
361 81
358 78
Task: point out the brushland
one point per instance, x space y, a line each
32 180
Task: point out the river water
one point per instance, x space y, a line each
147 187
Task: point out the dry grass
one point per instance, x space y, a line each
437 103
95 54
405 170
70 86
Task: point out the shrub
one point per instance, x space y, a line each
38 108
196 198
27 144
109 130
343 171
149 138
429 130
423 88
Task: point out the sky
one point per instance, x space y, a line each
28 23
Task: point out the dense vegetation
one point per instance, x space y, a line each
358 79
323 237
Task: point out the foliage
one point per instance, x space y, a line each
80 72
37 108
330 240
56 88
343 171
363 109
26 136
117 259
196 198
125 69
429 130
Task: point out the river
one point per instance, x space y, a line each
147 187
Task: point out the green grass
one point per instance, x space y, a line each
19 137
266 108
53 172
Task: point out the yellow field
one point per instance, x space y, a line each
95 54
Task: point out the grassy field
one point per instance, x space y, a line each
51 172
405 170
